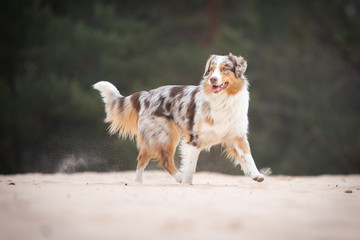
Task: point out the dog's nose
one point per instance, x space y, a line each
213 80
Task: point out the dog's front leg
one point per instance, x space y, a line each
189 155
241 150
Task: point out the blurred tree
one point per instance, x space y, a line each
303 69
15 17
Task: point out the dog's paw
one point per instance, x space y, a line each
186 183
258 178
178 177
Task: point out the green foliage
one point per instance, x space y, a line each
303 70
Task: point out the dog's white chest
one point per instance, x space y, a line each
229 121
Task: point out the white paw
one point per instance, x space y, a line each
178 177
139 180
258 177
186 183
139 175
187 180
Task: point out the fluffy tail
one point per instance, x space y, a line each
108 91
120 113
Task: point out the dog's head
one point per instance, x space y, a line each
224 74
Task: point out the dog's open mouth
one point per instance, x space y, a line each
219 88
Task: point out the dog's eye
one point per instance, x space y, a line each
209 71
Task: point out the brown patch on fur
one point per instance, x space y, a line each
180 107
143 145
186 138
160 110
164 153
190 114
122 119
209 120
242 143
199 126
174 140
121 102
168 106
226 69
207 87
174 134
143 158
209 67
134 99
193 139
177 91
240 65
147 103
205 111
231 153
235 84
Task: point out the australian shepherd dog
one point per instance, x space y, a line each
214 112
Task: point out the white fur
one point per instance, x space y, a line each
230 121
189 156
248 165
217 74
178 177
108 91
230 115
139 175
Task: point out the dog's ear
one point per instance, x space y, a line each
240 65
208 65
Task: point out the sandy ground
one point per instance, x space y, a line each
112 206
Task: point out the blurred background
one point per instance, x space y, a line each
303 67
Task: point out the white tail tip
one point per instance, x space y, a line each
107 90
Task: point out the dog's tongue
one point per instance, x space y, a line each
216 89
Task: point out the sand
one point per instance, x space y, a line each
112 206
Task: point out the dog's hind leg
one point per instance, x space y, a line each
166 161
167 149
143 160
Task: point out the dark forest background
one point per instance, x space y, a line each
304 71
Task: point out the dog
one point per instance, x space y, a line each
214 112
